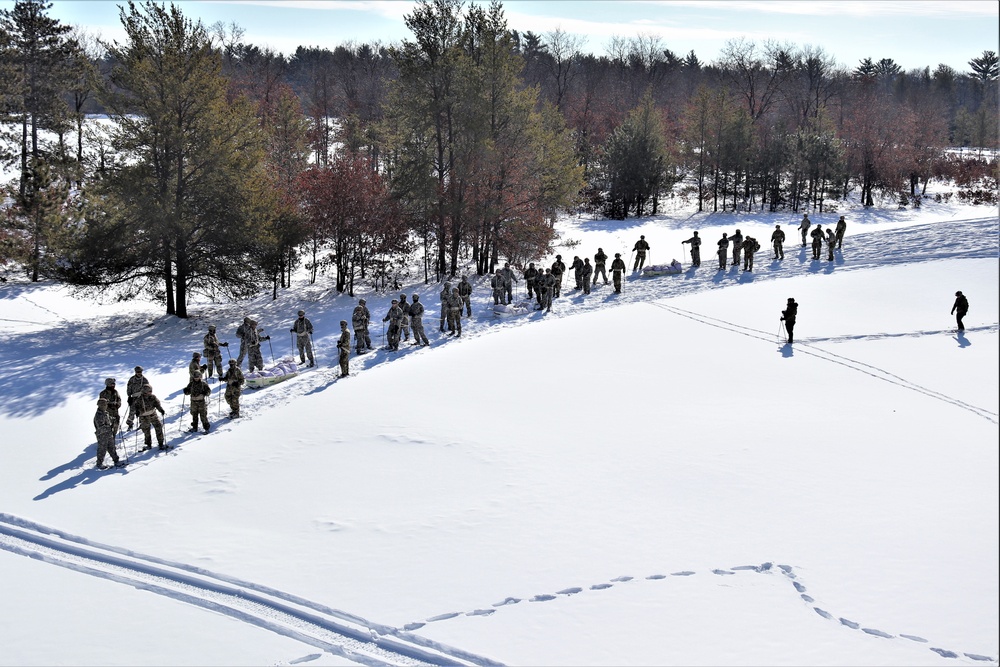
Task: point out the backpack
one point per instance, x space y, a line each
756 245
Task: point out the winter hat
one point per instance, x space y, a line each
138 369
232 362
196 355
362 302
147 389
102 401
343 323
196 376
302 313
958 293
211 327
109 382
416 297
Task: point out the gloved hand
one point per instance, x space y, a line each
162 412
266 338
291 330
226 344
187 391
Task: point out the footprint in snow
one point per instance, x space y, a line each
480 612
545 597
413 626
823 613
306 658
507 601
622 579
877 633
443 617
944 653
569 591
976 656
799 587
682 573
807 598
600 587
914 638
657 576
851 624
720 572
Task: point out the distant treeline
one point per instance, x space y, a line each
229 164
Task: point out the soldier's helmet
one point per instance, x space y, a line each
618 254
958 293
147 389
211 327
246 320
777 226
737 231
532 264
138 369
343 323
642 236
302 313
454 290
110 382
724 235
361 302
196 355
558 256
600 250
232 362
548 270
696 233
402 297
196 376
395 300
102 401
416 297
790 299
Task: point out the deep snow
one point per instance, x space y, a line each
580 462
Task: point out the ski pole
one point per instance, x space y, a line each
271 349
292 334
685 251
230 354
218 405
180 418
312 346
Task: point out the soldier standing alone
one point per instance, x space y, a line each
344 347
777 240
804 228
960 308
640 249
841 228
788 316
212 352
303 329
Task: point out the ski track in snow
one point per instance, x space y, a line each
768 568
331 630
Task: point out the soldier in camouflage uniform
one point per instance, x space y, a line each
104 429
749 248
558 271
114 399
344 349
146 406
417 321
723 251
445 292
455 304
618 268
465 291
393 317
695 242
530 276
841 229
737 241
195 367
199 392
577 267
241 333
404 324
831 243
496 282
234 387
132 391
360 319
303 329
804 228
508 281
253 339
547 284
640 248
777 240
212 352
600 259
817 240
585 274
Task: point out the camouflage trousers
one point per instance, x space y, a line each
736 256
467 300
748 261
105 446
779 252
404 327
344 359
233 392
362 338
145 421
256 360
305 348
213 362
455 320
392 336
243 353
545 299
599 269
418 332
616 277
817 248
696 255
199 409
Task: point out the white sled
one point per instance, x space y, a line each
661 269
511 309
284 370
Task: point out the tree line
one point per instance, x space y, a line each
225 166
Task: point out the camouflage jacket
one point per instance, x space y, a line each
198 390
618 264
135 385
302 326
146 405
600 258
103 423
211 346
416 310
558 268
344 344
360 317
455 301
113 398
777 236
465 288
394 315
234 377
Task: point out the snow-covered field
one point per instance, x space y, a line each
648 478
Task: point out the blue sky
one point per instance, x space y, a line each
913 33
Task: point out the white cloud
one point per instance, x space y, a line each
389 10
861 8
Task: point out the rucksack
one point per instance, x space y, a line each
756 245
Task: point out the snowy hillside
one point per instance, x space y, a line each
647 478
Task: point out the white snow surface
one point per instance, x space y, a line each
649 478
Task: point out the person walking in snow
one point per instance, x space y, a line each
577 267
750 246
393 317
114 402
817 240
599 261
548 285
344 348
804 228
831 243
618 269
640 249
960 309
133 390
199 392
695 242
212 352
777 241
195 367
234 387
146 406
585 274
104 428
841 228
465 291
360 319
737 241
404 324
723 252
303 329
558 271
445 292
788 316
417 321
